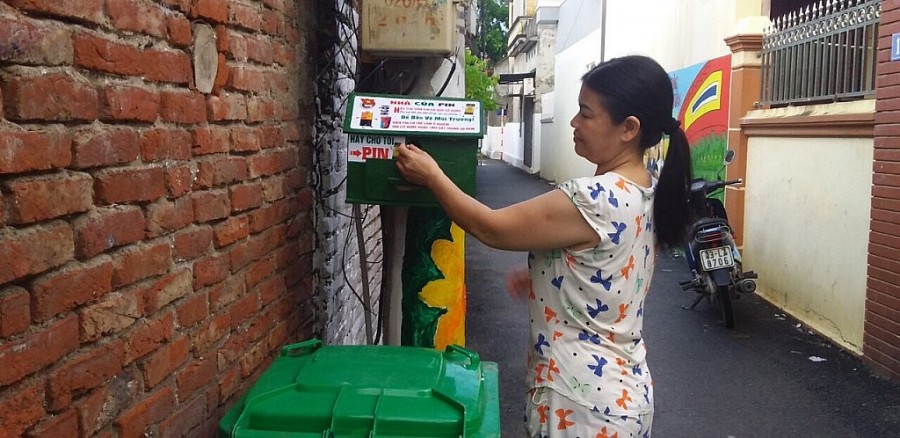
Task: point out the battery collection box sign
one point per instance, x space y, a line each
448 129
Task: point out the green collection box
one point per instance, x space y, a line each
448 129
312 390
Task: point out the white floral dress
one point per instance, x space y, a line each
587 309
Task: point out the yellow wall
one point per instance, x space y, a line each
807 228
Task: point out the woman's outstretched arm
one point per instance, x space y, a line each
547 221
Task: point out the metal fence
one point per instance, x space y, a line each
825 52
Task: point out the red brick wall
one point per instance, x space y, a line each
154 240
881 342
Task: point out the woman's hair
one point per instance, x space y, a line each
638 86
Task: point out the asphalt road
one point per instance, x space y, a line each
756 380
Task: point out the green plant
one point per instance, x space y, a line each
479 83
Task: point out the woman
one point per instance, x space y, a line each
592 248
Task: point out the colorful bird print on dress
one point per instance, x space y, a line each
615 237
549 314
605 282
557 282
541 343
622 184
598 368
563 422
626 271
637 220
622 309
596 190
604 434
542 410
592 337
612 199
594 311
623 401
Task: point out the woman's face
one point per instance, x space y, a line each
597 137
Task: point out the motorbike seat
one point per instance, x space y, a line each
708 222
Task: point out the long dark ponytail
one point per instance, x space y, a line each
638 86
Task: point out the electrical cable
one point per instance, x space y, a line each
449 75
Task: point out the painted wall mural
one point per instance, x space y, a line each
701 104
433 276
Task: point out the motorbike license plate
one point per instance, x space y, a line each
716 258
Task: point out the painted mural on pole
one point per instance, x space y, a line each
433 276
701 104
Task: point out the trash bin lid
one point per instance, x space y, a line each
367 391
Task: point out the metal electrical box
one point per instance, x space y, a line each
447 128
408 27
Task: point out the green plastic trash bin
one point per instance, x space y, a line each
312 390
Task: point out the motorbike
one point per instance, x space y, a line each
711 253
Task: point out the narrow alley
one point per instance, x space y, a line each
769 376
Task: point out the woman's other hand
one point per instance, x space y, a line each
416 165
518 284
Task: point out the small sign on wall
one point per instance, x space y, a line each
895 47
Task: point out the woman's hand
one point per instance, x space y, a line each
416 165
518 284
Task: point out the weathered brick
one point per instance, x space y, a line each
271 22
211 140
192 310
252 358
137 16
106 228
51 97
179 29
102 405
113 313
100 54
23 406
246 139
86 371
223 71
165 144
192 243
271 289
127 103
34 250
188 417
231 230
58 425
37 350
219 170
15 312
39 198
116 186
273 188
243 78
210 270
211 205
244 15
211 332
265 217
179 178
149 336
259 271
195 376
226 107
69 287
165 216
182 107
24 151
24 42
259 49
97 147
138 262
167 289
260 110
229 382
152 409
169 66
225 293
243 309
164 361
246 196
214 10
83 10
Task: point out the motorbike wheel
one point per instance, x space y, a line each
724 296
